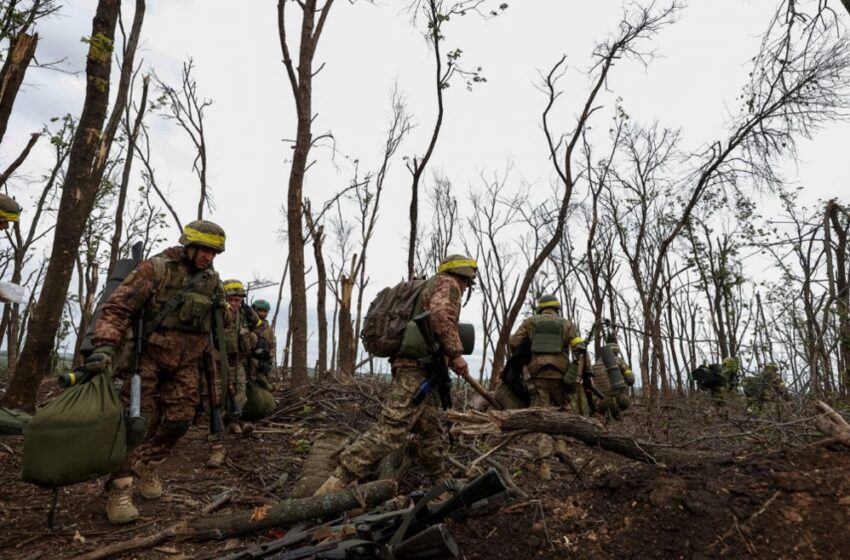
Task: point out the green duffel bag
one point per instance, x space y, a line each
78 436
260 400
12 421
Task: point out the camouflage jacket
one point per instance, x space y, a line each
146 290
442 297
239 327
264 332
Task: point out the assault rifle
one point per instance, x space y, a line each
415 533
435 363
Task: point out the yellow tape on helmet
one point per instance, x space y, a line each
230 286
9 216
194 236
470 263
576 340
545 304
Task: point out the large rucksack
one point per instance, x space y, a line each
388 316
708 377
78 436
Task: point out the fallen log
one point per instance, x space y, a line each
832 424
226 525
558 422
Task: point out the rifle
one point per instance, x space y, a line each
209 367
227 393
590 389
435 363
136 423
417 532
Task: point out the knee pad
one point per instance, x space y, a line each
172 430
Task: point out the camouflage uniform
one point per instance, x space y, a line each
168 365
265 333
615 400
399 416
765 387
545 371
240 340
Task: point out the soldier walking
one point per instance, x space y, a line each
442 297
551 338
175 292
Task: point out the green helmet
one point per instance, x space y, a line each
261 305
10 211
771 366
203 233
234 288
548 301
459 265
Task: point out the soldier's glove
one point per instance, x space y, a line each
100 361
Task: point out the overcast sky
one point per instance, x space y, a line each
700 67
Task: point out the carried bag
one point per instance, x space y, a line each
260 400
708 377
78 436
388 316
12 421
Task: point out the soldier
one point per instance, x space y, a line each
263 356
442 296
550 337
239 322
765 387
616 399
10 211
175 292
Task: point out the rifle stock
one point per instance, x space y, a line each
209 366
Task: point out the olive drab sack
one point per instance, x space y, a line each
260 400
78 436
12 421
388 317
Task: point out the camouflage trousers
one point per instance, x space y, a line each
400 417
169 391
548 392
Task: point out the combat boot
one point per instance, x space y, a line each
217 456
544 470
119 502
150 486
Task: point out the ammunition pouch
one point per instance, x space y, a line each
413 344
570 377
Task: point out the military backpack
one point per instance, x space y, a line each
388 317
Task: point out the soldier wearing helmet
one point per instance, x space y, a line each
550 379
441 295
175 292
263 356
240 321
10 211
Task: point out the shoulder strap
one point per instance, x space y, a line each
171 305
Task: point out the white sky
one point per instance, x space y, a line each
701 67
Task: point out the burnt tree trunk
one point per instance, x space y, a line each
227 525
345 345
21 52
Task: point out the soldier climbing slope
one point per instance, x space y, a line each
550 379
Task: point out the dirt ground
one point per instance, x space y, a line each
772 495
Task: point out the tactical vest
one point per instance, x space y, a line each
235 337
194 312
548 359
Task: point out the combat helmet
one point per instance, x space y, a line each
234 288
459 265
204 233
548 301
10 210
261 305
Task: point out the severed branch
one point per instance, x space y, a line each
240 523
557 422
832 424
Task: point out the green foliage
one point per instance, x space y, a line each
100 47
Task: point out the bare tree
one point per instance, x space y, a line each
87 163
300 76
186 108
